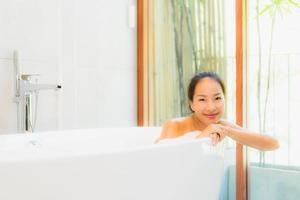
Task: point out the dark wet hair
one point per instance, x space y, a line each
198 77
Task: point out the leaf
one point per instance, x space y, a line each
294 3
265 9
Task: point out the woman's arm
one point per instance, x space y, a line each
256 140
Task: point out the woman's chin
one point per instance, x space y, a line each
212 121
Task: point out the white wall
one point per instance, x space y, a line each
86 46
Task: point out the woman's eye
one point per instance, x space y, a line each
201 99
218 98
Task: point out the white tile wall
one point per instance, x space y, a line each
84 45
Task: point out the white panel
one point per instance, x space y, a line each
100 51
30 26
117 41
78 44
118 97
88 99
8 108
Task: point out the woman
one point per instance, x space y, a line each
206 99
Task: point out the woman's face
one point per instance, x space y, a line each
208 101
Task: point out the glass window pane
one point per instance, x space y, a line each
273 98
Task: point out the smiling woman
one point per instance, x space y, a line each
206 99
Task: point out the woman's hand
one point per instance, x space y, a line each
216 132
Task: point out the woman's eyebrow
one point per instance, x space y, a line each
217 94
203 95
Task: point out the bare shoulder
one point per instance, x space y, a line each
177 122
174 127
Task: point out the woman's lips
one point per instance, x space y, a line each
211 116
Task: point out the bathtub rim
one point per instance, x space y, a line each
55 156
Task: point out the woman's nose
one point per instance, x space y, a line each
211 106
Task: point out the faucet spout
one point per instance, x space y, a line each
31 87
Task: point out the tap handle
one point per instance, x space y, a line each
27 77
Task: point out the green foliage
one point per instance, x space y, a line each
280 6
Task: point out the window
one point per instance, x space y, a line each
273 78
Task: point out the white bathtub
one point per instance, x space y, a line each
106 164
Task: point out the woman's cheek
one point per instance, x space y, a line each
199 106
221 105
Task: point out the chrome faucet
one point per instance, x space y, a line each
26 96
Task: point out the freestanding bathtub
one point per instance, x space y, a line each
106 164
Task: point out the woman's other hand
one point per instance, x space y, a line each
216 132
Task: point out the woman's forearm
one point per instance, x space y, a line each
255 140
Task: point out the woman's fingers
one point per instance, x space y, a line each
222 136
215 137
216 132
222 131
